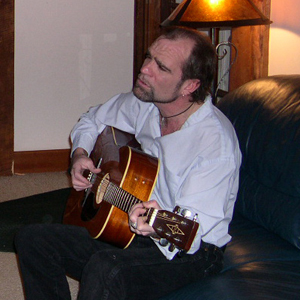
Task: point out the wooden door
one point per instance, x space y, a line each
148 16
253 48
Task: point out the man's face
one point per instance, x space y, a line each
159 80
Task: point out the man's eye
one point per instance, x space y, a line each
162 68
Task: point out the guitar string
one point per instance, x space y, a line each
120 198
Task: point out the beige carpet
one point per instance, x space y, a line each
14 187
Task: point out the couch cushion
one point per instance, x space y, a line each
257 280
252 243
266 116
257 265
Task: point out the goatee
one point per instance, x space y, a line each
145 96
141 94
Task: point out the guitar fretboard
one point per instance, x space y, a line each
118 197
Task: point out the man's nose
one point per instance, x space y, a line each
147 67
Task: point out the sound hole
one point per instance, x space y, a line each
89 209
92 201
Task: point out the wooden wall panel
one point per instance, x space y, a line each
41 161
253 48
146 30
6 86
149 14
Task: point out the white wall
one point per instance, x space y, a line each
72 54
69 55
284 55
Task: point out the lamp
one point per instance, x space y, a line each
216 14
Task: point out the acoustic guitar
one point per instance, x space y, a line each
103 208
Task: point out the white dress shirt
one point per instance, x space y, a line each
199 164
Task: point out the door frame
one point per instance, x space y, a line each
6 86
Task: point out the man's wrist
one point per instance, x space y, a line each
79 152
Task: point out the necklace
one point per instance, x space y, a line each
164 118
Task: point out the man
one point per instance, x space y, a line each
171 115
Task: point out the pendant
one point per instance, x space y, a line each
162 122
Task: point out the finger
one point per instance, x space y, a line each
138 209
143 228
151 204
78 179
95 170
139 226
80 186
137 217
133 225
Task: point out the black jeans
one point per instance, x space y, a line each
47 252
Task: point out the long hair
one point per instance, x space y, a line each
201 64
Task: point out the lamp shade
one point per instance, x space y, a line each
216 13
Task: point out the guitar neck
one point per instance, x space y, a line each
119 197
176 229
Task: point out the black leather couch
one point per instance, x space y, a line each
263 259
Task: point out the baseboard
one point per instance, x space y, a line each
41 161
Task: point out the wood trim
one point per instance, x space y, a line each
146 30
6 86
148 17
252 43
41 161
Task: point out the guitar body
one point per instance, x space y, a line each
135 173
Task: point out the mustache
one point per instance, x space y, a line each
141 78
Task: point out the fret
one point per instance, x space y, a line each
126 203
119 197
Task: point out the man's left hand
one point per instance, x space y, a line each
138 217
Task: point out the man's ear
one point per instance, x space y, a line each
190 86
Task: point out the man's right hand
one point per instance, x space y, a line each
80 163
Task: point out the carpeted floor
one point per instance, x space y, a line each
41 208
23 185
26 189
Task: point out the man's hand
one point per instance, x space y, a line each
81 162
137 219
